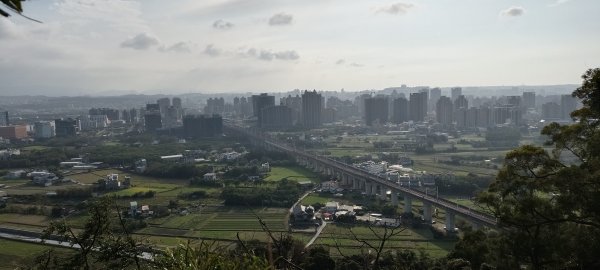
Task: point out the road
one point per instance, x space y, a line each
36 240
319 230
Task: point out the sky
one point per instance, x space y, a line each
97 47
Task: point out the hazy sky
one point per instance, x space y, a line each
97 46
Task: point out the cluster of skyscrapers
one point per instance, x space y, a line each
429 105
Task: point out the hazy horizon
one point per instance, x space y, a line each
95 48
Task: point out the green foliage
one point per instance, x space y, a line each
37 158
207 256
318 259
178 171
548 203
502 137
283 195
103 240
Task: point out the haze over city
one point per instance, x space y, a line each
87 47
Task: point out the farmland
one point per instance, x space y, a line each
339 236
294 173
16 254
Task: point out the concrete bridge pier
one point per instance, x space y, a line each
355 183
394 198
476 226
368 188
450 218
407 204
427 213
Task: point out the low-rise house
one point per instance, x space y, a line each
133 208
45 180
331 207
330 186
302 212
265 167
37 173
210 177
84 167
5 154
111 182
141 165
172 158
15 174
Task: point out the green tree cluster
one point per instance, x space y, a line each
548 202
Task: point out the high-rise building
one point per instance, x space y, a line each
152 107
551 110
507 114
66 127
528 100
418 106
294 103
214 106
176 102
312 109
484 115
376 110
163 104
461 102
259 102
400 110
44 129
152 121
471 117
328 115
4 121
89 122
171 118
13 132
514 101
278 116
202 126
444 111
568 104
434 96
455 93
111 114
246 106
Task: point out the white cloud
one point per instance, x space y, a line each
180 47
340 62
395 9
117 15
212 51
268 55
8 30
281 19
513 11
559 2
141 41
222 25
356 65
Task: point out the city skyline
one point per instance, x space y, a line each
98 47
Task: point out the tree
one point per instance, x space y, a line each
548 203
13 5
104 239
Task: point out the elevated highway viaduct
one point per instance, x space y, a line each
369 183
